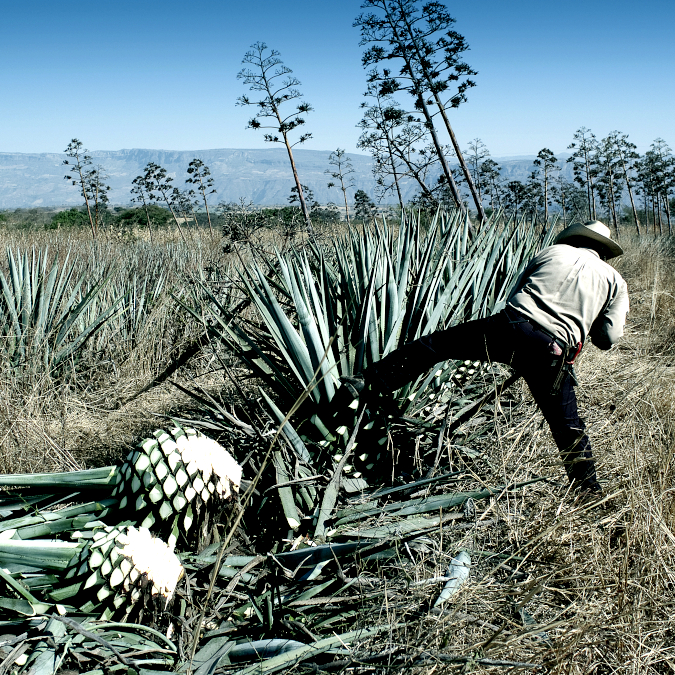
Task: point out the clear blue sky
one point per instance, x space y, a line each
144 74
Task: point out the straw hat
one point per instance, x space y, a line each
595 231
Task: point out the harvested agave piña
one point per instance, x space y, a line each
183 479
109 571
172 483
123 571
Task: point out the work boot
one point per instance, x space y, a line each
589 496
354 385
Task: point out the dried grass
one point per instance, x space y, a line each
48 423
598 584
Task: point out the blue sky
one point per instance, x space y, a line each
119 74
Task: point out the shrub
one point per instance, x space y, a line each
70 218
137 218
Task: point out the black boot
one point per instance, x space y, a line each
342 408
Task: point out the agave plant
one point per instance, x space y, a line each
330 313
42 311
175 484
140 292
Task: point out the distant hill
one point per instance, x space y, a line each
262 175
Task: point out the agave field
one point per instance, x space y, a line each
255 518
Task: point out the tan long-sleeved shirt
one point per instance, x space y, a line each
573 294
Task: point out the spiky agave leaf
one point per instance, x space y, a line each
46 315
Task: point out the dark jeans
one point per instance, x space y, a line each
506 337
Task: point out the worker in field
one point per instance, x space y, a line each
567 294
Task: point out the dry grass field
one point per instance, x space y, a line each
577 588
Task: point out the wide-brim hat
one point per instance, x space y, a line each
595 231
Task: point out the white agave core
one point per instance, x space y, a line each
152 557
213 461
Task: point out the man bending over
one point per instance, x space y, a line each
566 294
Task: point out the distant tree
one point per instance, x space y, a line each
547 163
628 156
656 181
329 214
490 174
240 221
142 191
397 142
577 199
475 154
296 197
342 171
421 36
158 187
664 178
199 175
533 199
68 219
561 194
585 147
609 178
515 194
264 79
184 204
379 124
132 218
90 180
645 187
364 206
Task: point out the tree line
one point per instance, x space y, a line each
415 76
608 174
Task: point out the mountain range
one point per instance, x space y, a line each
262 175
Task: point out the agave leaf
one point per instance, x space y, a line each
319 354
434 503
288 659
44 659
86 332
287 338
288 431
136 628
24 607
44 554
18 588
10 305
285 493
207 660
67 480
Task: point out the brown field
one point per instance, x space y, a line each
597 584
